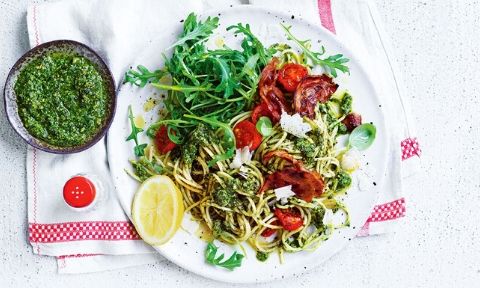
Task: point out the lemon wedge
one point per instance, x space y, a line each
157 210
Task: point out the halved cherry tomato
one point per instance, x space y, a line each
163 143
246 134
290 76
269 231
289 218
259 111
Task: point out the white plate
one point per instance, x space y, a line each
186 249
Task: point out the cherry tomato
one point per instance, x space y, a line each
269 231
246 134
163 143
259 111
352 121
290 76
289 218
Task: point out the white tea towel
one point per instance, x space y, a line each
75 264
119 30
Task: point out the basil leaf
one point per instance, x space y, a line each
362 137
264 126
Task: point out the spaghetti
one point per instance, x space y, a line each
241 204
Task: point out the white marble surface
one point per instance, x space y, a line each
437 44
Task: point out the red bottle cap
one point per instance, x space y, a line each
79 192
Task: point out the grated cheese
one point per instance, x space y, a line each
294 124
242 156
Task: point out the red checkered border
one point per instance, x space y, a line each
388 211
79 231
410 148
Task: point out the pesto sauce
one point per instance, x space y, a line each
62 99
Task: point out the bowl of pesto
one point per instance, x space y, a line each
60 97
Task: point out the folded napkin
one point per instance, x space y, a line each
104 238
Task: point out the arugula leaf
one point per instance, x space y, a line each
234 261
138 149
251 44
143 76
145 168
331 64
217 158
227 84
193 30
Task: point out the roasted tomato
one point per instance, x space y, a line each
290 76
259 111
289 218
269 231
162 142
352 121
310 91
246 134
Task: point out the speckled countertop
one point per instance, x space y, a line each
437 44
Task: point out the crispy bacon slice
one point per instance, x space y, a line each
269 74
306 184
313 89
275 101
270 94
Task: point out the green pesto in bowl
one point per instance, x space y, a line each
62 98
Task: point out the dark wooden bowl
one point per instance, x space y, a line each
11 107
